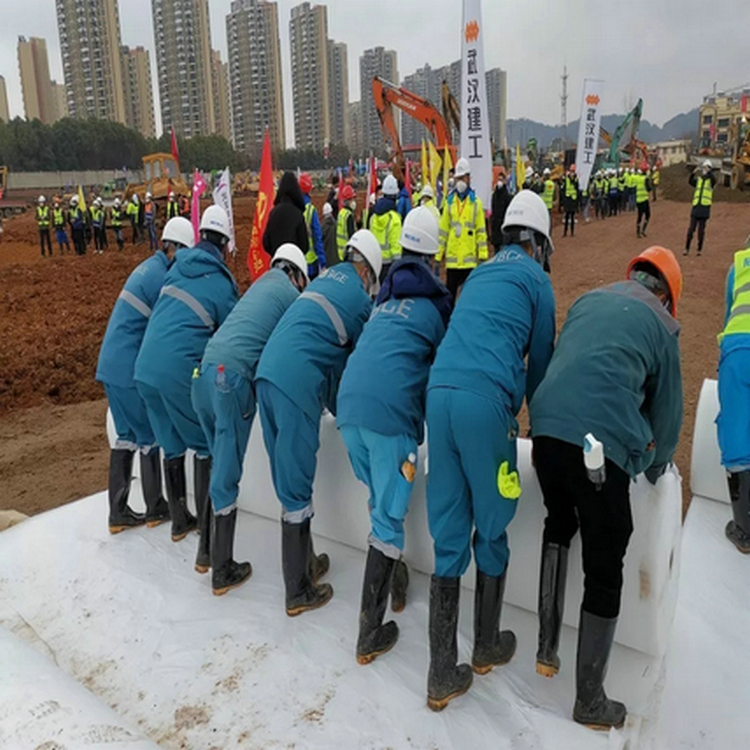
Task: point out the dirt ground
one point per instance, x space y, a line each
53 314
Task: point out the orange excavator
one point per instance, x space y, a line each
387 96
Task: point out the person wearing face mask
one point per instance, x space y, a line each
500 201
463 233
615 374
382 426
298 375
385 224
224 400
346 224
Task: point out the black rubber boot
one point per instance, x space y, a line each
121 516
492 647
302 593
738 530
157 510
202 480
446 679
592 707
399 585
183 521
551 606
226 574
374 637
318 565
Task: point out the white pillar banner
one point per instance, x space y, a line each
588 130
223 198
475 121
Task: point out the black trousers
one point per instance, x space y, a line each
79 240
701 226
603 517
644 211
455 278
613 202
570 219
44 236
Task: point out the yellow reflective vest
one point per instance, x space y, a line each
703 194
739 314
42 217
641 189
310 256
387 230
342 230
462 237
548 196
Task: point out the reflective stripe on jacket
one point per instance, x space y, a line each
42 217
342 231
462 236
704 192
739 314
387 230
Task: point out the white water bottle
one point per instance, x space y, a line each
593 459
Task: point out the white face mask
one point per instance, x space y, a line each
353 205
461 186
500 184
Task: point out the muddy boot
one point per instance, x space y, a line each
738 530
551 606
157 510
374 637
446 679
399 585
492 646
226 574
592 707
202 480
643 231
183 521
318 565
121 516
302 593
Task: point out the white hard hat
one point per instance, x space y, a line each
116 203
390 185
707 163
428 192
420 231
215 219
134 198
327 209
171 195
462 168
148 196
74 200
42 199
546 171
290 252
527 209
367 245
180 231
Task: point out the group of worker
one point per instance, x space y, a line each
186 364
93 223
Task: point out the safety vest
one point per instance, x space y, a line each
704 192
132 210
58 218
570 189
97 216
463 235
116 217
148 211
342 231
548 196
311 256
42 217
380 226
656 177
622 183
641 192
172 209
76 217
739 314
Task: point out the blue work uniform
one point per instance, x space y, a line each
506 313
315 234
198 294
299 373
223 395
381 401
120 347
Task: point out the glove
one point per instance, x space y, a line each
508 484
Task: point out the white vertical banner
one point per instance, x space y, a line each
588 130
475 121
223 198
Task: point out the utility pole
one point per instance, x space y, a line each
564 103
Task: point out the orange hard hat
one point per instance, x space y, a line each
666 264
305 183
347 193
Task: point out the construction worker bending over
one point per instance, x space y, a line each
58 221
463 231
315 254
570 200
115 370
733 425
506 312
224 399
615 375
117 218
384 221
642 190
703 181
198 294
43 223
346 224
149 218
298 374
77 226
382 425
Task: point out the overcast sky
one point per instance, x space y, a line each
670 52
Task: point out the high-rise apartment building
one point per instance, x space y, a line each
182 32
36 86
497 103
90 47
139 94
308 38
338 92
220 85
4 110
374 62
354 129
426 82
60 97
255 74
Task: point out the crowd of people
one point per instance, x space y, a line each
358 322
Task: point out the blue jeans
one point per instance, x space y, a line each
733 421
131 418
225 405
292 441
377 460
470 438
152 241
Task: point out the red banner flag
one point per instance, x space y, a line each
407 178
175 150
743 103
258 261
199 187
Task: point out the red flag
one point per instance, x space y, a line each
258 260
372 188
175 150
743 103
407 178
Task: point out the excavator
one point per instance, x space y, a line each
635 149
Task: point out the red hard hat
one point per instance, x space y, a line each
305 183
644 166
347 193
